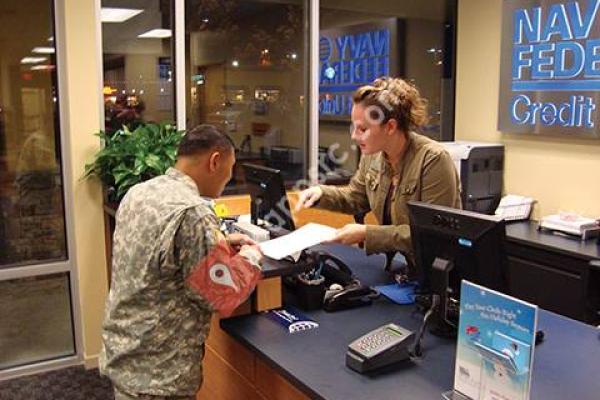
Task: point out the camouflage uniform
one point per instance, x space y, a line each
427 174
155 324
120 395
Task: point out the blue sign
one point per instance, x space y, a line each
351 57
550 72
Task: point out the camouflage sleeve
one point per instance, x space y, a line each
214 274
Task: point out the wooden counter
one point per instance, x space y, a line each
231 371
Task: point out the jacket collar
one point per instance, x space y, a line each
179 176
385 164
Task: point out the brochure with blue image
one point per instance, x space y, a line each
496 339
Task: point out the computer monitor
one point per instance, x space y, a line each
268 201
451 245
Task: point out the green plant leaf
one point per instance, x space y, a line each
129 157
153 161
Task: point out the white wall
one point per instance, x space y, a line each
561 173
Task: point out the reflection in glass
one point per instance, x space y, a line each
245 72
32 225
137 52
412 40
36 320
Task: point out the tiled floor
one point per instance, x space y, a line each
75 383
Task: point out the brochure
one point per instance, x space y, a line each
292 319
496 339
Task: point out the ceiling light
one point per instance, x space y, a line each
42 67
235 63
156 34
109 14
33 60
51 39
43 50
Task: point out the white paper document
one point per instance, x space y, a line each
298 240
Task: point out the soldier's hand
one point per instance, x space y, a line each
309 197
237 240
252 253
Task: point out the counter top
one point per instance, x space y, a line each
314 361
526 232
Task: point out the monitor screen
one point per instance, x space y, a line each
462 244
268 200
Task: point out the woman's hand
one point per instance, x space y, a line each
350 234
308 197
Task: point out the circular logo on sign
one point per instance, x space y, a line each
329 73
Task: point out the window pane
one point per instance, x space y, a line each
245 72
137 39
411 40
36 323
32 227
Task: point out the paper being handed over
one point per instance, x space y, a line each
296 241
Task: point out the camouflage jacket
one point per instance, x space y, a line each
155 323
427 174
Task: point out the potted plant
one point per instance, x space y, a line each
130 157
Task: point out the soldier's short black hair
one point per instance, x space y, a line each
203 138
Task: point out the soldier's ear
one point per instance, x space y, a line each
214 160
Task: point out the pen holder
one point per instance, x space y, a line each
310 292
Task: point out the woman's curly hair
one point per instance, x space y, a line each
394 98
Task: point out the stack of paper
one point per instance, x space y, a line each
296 241
572 224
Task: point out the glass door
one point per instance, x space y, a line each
37 282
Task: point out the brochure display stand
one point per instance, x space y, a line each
496 339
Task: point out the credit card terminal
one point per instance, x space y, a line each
382 346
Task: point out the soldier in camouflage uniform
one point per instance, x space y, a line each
397 165
172 268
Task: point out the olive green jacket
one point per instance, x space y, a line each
427 174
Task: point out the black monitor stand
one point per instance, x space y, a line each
274 230
255 203
443 325
437 305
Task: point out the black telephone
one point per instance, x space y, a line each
352 293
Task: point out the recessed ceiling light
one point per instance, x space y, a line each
110 14
33 60
43 50
156 34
